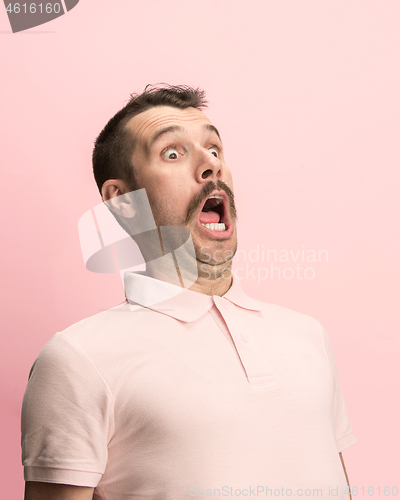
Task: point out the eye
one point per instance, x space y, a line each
171 153
214 151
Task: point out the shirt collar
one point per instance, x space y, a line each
176 302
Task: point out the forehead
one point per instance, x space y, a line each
144 125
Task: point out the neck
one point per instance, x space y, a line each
190 272
213 280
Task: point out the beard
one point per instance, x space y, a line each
195 203
213 260
205 192
215 257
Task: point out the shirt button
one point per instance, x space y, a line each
244 337
226 305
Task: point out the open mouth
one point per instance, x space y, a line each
214 215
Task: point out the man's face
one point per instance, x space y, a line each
178 158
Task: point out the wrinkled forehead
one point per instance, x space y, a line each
144 125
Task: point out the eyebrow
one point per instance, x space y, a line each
177 128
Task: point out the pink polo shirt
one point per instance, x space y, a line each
194 396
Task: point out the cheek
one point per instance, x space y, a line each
169 200
159 188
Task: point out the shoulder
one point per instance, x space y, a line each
78 344
289 326
289 317
102 328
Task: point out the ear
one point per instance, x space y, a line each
114 194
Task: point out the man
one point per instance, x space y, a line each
193 392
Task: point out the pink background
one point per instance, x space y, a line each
306 96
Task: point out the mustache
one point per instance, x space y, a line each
208 188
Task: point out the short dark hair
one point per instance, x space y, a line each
114 146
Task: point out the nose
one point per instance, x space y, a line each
209 168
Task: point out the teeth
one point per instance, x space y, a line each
218 200
215 226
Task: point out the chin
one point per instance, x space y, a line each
216 253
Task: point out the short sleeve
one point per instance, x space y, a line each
342 426
66 417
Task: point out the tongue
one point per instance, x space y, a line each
209 217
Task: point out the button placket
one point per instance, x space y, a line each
251 355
